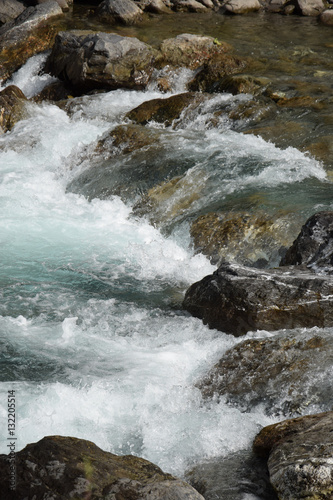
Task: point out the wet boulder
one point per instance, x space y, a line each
60 467
167 110
210 77
12 107
119 11
191 51
300 456
188 6
237 299
314 244
253 240
284 374
30 33
326 17
107 61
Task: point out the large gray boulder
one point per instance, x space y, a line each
107 61
9 10
310 7
62 468
29 34
300 456
237 299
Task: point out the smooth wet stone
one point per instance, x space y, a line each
188 6
99 60
242 6
310 7
62 468
29 34
12 107
300 456
279 374
237 299
119 11
326 17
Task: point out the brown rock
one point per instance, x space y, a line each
242 237
300 454
165 110
191 50
29 34
242 6
12 106
212 74
60 468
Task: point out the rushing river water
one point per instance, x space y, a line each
93 338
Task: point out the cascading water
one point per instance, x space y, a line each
93 338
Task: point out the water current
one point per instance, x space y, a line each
92 335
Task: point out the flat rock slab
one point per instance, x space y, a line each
237 299
60 468
300 456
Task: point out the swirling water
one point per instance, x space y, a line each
93 338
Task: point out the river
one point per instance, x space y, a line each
93 338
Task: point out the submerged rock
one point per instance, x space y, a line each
107 61
237 299
211 76
294 361
300 456
60 468
12 106
29 34
254 240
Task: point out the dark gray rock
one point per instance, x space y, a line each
300 456
314 244
60 468
108 61
236 299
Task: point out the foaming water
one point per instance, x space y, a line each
92 335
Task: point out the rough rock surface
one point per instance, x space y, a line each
311 7
12 105
9 10
300 455
165 110
119 11
253 240
236 299
27 35
64 467
101 61
294 361
191 50
314 244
